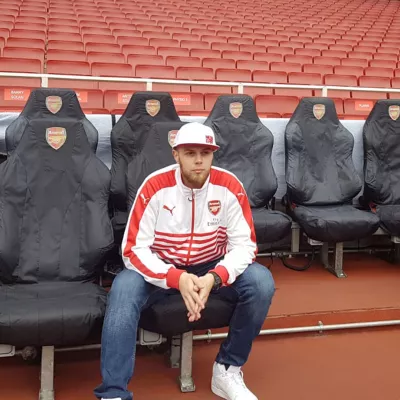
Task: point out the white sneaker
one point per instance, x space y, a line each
229 384
117 398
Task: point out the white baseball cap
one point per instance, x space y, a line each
195 133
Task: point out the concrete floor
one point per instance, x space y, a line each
345 365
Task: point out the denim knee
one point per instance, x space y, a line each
128 285
260 279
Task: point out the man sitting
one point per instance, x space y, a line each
189 229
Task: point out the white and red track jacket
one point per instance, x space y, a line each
171 225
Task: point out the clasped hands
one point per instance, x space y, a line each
195 291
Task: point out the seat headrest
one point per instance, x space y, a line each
387 111
315 109
53 102
162 134
158 137
66 135
63 143
154 153
157 106
50 105
319 164
235 107
245 146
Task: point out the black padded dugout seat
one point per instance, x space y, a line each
169 318
245 150
127 138
381 136
50 103
320 175
55 233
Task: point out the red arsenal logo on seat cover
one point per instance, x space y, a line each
153 107
56 137
319 111
214 206
171 137
236 109
54 104
394 112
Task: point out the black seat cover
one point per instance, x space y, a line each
320 174
55 233
154 151
54 103
127 138
381 137
128 134
245 150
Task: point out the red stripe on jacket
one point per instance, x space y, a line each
151 187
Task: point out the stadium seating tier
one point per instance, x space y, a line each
249 43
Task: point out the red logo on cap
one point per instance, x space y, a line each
209 139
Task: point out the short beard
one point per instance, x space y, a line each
194 179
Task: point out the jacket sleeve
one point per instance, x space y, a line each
139 236
242 245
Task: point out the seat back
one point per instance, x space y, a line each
54 205
319 163
50 103
144 110
381 136
245 146
154 152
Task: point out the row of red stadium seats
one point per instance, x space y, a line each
79 28
13 99
93 52
54 31
313 75
95 62
119 34
270 50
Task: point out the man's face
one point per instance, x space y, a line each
195 163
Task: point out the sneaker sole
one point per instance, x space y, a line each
218 392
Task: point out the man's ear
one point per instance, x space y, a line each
175 155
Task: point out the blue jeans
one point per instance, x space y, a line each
130 294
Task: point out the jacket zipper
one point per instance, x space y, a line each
192 229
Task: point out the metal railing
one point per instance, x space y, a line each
239 85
